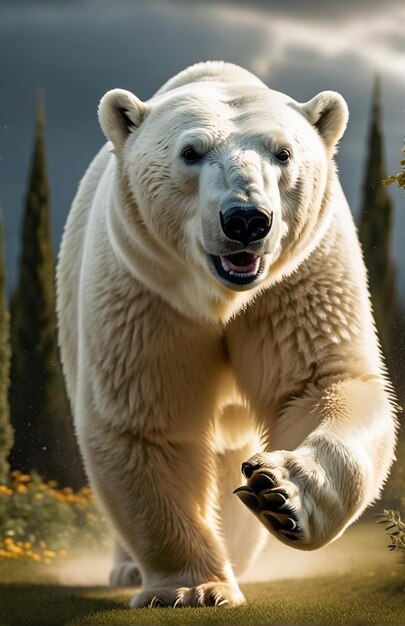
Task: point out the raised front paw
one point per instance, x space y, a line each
207 594
272 493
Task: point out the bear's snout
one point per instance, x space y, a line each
246 223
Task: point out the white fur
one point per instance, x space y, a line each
175 378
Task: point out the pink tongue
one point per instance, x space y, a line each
251 268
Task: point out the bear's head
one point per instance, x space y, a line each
223 184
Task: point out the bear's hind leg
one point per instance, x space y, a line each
125 572
244 536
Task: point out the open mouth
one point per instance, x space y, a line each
242 268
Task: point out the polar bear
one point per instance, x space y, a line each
214 314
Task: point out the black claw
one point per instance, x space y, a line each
248 469
286 525
275 499
262 481
157 603
290 523
272 520
248 497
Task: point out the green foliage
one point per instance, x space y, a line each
44 437
395 530
6 432
398 179
38 521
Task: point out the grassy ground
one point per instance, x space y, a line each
353 581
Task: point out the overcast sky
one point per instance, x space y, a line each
78 49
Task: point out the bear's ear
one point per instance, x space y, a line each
119 114
329 114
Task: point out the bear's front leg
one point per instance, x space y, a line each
157 490
160 499
148 386
307 496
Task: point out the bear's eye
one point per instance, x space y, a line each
189 155
283 155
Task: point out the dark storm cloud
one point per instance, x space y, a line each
79 49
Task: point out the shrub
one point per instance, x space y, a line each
398 179
40 522
395 530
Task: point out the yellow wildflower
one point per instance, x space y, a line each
49 554
53 493
24 478
81 503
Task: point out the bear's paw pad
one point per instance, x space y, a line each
270 498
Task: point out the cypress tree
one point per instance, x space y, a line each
6 432
44 438
375 226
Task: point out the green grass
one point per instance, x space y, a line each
320 600
356 581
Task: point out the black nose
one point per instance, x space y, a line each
245 224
